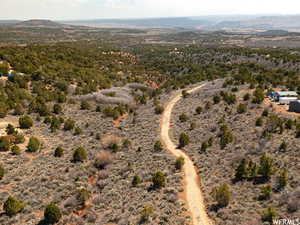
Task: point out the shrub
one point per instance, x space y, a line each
179 163
12 206
126 143
183 117
199 109
10 130
229 98
84 105
43 110
52 214
146 213
226 138
252 170
234 89
183 140
289 124
4 144
283 146
274 124
158 179
241 171
298 131
19 139
222 195
25 122
110 112
77 131
258 96
158 109
259 122
265 113
266 168
216 99
102 160
82 196
269 215
210 141
2 171
136 181
55 124
15 150
47 120
98 108
185 94
158 146
79 155
69 124
246 97
57 109
266 192
33 145
19 110
242 108
114 147
59 152
282 179
3 110
204 146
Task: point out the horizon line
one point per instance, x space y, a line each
159 17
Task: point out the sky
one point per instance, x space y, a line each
94 9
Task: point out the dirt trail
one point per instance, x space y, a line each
192 188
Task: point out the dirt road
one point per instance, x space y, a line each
193 192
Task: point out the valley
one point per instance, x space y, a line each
156 125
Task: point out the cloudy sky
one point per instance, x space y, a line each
91 9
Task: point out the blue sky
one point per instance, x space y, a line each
90 9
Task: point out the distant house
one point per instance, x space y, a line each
284 97
295 106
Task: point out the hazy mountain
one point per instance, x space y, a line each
212 23
202 22
176 22
263 22
40 23
9 21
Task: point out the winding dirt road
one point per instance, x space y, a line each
192 188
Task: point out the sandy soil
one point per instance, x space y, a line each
280 109
193 192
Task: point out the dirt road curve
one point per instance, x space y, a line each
193 192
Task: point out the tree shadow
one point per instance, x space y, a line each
214 207
43 222
260 180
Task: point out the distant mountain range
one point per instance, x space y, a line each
9 21
40 23
206 23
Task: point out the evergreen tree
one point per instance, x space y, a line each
52 214
241 171
222 195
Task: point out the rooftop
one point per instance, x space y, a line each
287 93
